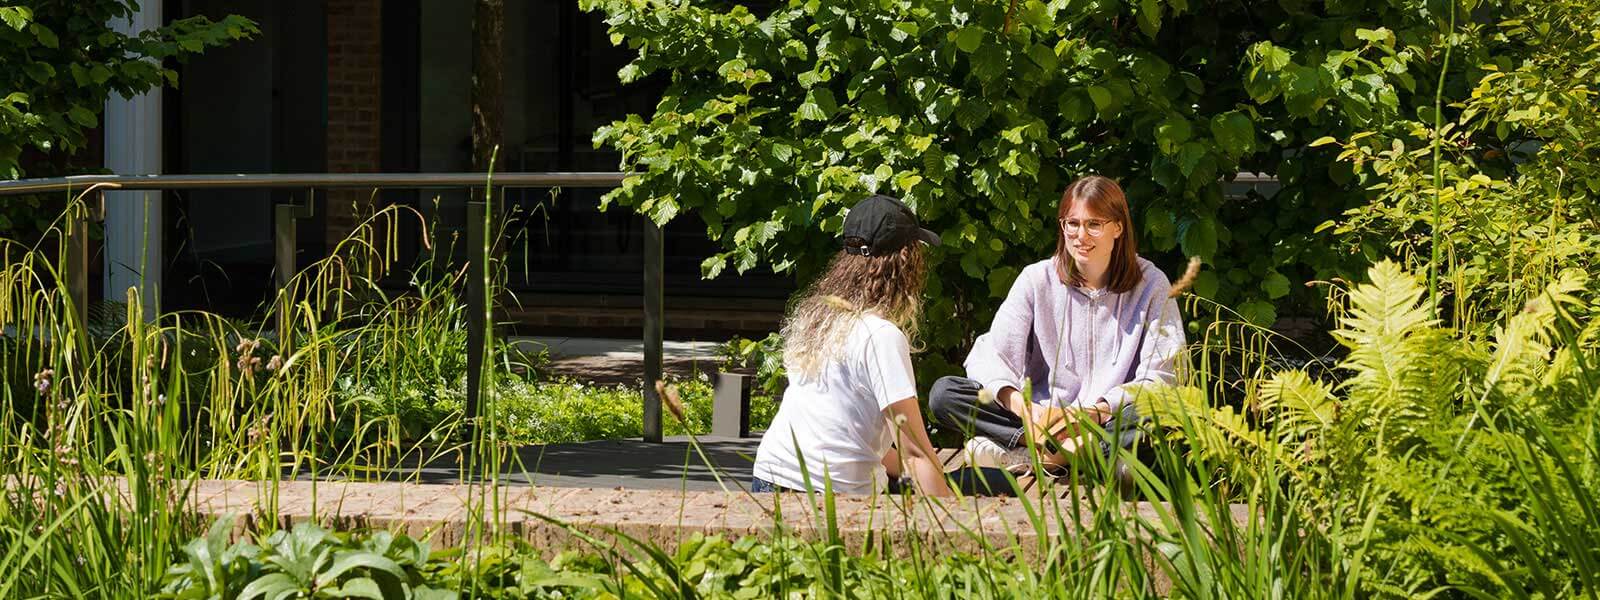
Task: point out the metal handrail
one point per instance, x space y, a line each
351 180
285 242
311 180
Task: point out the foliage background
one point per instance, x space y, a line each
979 113
62 59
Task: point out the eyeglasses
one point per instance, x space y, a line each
1092 227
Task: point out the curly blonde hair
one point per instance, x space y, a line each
889 286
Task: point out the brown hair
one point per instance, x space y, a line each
889 286
1104 198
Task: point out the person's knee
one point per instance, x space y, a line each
949 396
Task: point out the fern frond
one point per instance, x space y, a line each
1388 308
1217 433
1296 405
1404 368
1523 349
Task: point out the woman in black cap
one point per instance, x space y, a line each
850 413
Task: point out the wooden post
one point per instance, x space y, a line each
653 330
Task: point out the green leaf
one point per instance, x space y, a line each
46 37
823 98
272 585
969 38
1200 238
1323 141
1075 106
1189 157
1234 133
1159 222
360 587
1270 57
16 17
99 74
807 79
970 266
1192 81
348 560
904 31
1205 284
1000 281
82 116
712 266
1043 56
1259 312
732 66
1262 85
39 71
1150 70
1381 35
972 112
989 62
1150 17
1172 133
1103 101
1275 285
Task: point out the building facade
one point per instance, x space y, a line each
363 86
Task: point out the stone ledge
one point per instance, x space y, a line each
665 518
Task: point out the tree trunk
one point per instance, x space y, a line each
488 88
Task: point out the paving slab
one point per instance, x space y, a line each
673 464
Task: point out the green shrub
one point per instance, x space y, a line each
563 410
1500 195
978 113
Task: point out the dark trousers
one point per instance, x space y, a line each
954 403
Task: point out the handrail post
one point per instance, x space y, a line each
76 269
477 310
653 329
285 248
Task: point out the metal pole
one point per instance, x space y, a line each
77 265
477 311
653 327
285 247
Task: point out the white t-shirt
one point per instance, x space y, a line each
837 419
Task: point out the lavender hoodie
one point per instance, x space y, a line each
1077 345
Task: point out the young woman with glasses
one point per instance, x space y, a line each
1082 326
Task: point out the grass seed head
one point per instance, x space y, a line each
669 397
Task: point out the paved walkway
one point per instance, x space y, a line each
633 464
605 361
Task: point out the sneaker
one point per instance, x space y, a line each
1019 463
984 452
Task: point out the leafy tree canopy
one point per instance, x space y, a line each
62 59
979 113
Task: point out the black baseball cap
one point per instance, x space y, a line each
880 225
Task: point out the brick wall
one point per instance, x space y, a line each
355 93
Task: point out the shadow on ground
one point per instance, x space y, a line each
609 370
632 464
